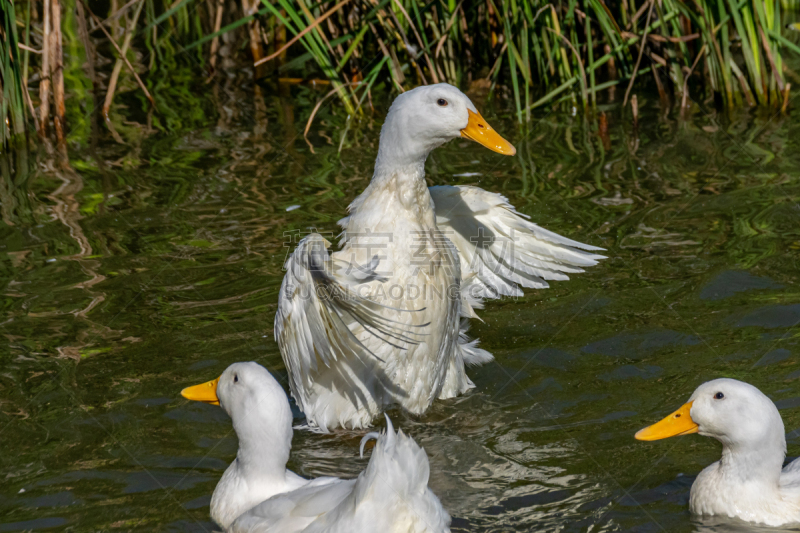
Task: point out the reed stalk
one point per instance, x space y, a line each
554 48
126 42
57 70
537 52
12 101
44 83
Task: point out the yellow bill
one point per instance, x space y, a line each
678 423
481 132
794 26
205 392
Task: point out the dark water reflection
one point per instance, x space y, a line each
147 267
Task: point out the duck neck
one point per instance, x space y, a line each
394 158
756 463
400 164
402 145
408 181
259 471
396 202
264 445
385 170
400 161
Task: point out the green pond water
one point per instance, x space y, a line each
149 266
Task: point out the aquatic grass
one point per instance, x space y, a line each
535 53
538 47
303 23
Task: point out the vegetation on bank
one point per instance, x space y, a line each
62 60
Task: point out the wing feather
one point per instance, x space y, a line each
294 511
500 250
319 317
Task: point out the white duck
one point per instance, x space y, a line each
257 494
380 321
749 482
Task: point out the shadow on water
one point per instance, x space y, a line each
139 268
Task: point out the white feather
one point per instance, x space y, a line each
315 324
500 250
356 348
257 494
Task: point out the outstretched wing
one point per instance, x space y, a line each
499 249
319 318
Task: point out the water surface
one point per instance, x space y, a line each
145 267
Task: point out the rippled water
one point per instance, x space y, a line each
143 268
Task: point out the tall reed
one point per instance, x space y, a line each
568 51
536 52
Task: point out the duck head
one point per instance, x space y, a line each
426 117
735 413
259 409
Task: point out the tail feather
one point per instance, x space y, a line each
470 353
391 494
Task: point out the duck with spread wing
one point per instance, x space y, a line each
383 321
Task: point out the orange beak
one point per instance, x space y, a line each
205 392
481 132
678 423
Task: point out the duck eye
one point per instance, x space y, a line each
442 102
719 396
236 378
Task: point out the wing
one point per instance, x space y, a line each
499 249
294 511
319 317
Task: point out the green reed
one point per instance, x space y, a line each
535 52
548 52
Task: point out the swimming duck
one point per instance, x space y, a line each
383 321
749 482
257 494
